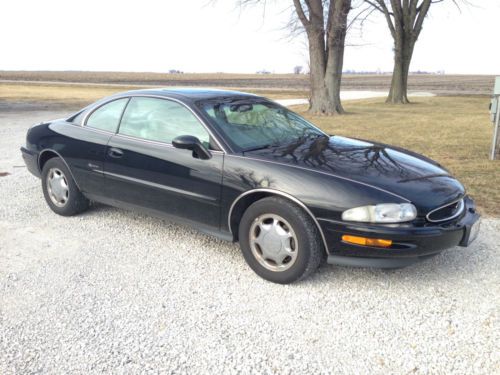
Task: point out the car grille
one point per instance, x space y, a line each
447 212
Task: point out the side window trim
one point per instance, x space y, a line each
86 117
159 143
121 116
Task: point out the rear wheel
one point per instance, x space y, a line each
60 190
280 241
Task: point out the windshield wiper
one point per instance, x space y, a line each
263 147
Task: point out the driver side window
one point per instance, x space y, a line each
160 120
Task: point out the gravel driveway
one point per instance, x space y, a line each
114 291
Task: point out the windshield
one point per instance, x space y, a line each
252 124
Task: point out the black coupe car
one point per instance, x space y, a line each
246 169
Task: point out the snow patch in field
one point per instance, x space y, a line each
352 95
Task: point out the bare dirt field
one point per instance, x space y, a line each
437 84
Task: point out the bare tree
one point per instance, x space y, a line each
297 69
325 23
405 19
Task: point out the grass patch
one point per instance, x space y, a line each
455 131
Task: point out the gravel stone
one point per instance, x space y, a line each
115 291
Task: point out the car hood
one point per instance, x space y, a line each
409 175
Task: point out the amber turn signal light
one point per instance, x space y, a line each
377 242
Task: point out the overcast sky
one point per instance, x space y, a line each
189 35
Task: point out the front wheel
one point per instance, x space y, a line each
280 241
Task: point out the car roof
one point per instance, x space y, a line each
190 93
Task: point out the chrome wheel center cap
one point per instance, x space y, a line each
273 242
57 187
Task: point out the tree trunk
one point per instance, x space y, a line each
320 102
335 51
405 19
334 77
326 55
403 52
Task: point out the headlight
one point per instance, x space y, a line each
382 213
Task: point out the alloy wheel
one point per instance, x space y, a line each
57 187
273 242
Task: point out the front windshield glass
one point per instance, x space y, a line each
252 124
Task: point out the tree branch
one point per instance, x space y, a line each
387 15
424 9
300 13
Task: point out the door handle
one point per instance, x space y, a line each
115 152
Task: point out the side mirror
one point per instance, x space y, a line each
189 142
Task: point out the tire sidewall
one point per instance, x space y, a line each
307 237
72 206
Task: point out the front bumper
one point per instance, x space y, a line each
411 242
31 160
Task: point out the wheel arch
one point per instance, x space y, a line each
245 199
46 154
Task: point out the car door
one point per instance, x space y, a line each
144 170
85 146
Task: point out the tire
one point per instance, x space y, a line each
61 194
263 233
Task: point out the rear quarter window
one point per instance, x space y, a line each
107 117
